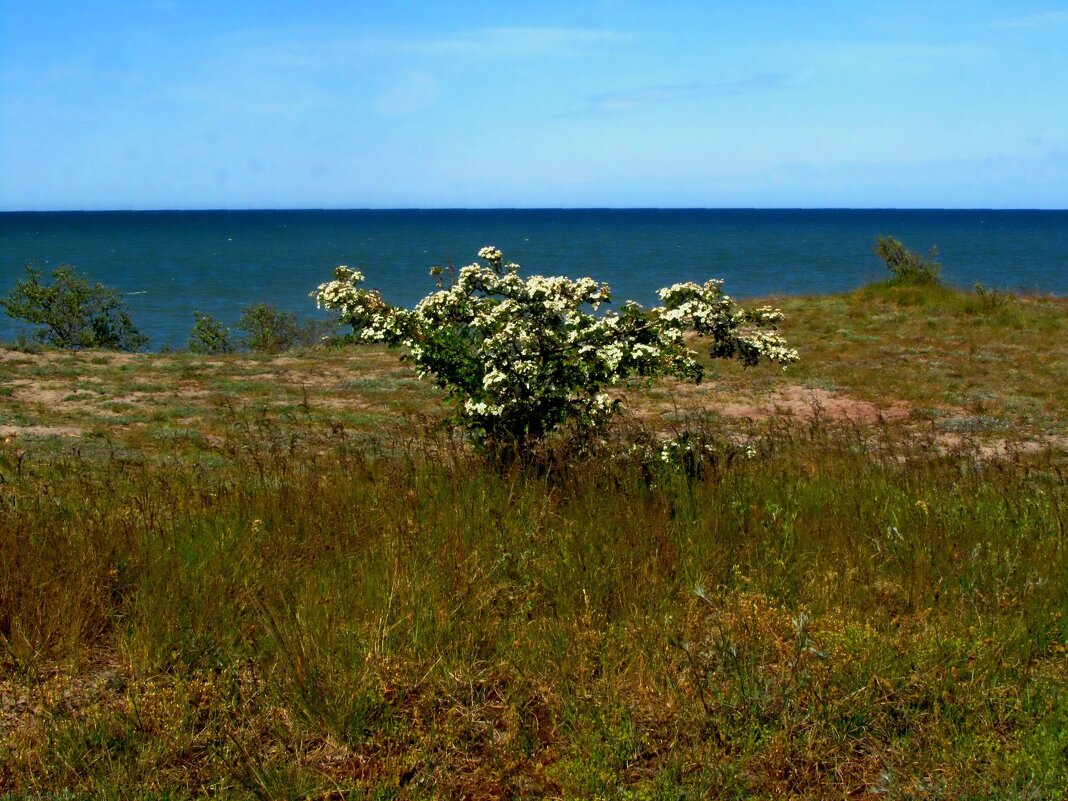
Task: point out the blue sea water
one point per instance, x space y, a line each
170 264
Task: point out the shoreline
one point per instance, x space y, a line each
313 316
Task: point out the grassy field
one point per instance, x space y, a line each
278 577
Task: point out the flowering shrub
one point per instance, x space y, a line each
523 356
749 334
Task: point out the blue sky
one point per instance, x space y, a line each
269 104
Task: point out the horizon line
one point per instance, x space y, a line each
239 210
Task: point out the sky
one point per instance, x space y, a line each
179 104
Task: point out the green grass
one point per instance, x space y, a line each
932 346
833 615
297 590
1000 359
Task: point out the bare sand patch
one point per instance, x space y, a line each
317 378
996 449
352 402
805 403
21 357
40 431
39 392
47 355
809 403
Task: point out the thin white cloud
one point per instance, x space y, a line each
514 42
891 57
313 47
388 75
632 99
1040 19
411 92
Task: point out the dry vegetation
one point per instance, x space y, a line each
939 360
275 577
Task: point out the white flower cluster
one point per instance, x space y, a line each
363 309
749 334
523 356
689 451
677 451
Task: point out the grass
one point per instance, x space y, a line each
936 347
941 355
314 592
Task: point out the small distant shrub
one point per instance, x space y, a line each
321 332
906 266
209 336
24 344
991 300
271 330
72 312
267 329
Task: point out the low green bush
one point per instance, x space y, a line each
209 336
271 330
906 266
990 299
72 312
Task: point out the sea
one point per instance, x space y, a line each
169 264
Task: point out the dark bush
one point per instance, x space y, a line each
72 312
209 336
271 330
906 266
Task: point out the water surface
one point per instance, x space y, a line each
172 263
